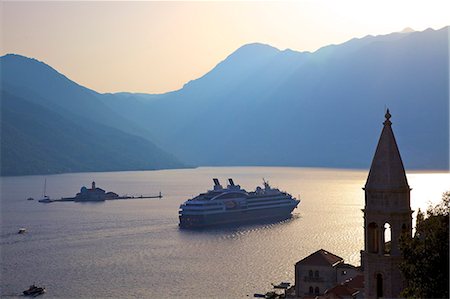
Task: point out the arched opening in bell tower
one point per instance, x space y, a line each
387 244
373 237
379 285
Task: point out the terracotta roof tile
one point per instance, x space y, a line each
342 291
321 258
356 282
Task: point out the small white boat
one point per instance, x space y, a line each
22 230
45 199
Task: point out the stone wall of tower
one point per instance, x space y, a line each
388 206
387 267
383 262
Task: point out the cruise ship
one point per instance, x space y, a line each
235 205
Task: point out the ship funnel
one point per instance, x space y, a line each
217 185
231 182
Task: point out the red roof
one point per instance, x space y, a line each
356 282
342 290
321 258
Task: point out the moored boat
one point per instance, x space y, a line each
34 291
45 198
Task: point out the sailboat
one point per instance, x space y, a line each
45 198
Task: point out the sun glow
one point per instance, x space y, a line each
159 46
427 189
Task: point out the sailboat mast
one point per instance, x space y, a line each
45 187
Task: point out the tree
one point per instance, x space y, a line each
425 263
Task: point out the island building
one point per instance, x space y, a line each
94 194
387 215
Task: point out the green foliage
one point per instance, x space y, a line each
442 208
426 256
419 219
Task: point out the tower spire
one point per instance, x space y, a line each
387 171
388 117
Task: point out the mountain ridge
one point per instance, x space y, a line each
26 77
33 90
274 107
401 70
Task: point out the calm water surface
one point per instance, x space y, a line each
133 248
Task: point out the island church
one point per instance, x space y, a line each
387 212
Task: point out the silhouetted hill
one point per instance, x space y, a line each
263 106
260 106
50 124
39 83
36 140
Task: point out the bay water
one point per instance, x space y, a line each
134 249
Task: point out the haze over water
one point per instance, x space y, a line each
134 248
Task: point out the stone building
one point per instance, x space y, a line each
320 271
345 271
387 214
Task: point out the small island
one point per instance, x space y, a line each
98 194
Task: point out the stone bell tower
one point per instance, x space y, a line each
387 214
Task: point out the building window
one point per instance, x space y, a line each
311 290
379 285
310 273
316 291
316 274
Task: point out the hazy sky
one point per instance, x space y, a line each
156 47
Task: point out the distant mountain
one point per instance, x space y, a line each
263 106
407 30
49 124
39 83
259 106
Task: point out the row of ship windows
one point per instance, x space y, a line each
250 206
266 204
249 202
204 204
204 209
270 199
265 195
